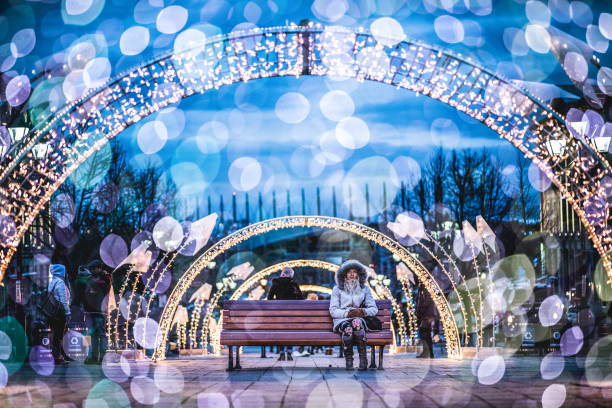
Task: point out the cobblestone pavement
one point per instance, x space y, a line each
316 381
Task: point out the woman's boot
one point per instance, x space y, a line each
347 346
348 357
362 349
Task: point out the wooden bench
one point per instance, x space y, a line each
291 323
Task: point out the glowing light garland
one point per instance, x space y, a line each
446 315
82 127
450 277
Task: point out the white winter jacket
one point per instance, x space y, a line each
342 301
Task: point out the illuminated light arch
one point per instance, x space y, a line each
446 316
70 136
254 280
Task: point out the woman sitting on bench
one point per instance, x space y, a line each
351 301
285 288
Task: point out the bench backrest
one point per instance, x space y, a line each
287 315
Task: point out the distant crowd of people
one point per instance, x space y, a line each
351 304
88 296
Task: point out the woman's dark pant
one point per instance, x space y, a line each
58 329
425 335
98 336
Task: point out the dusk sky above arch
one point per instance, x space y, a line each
399 123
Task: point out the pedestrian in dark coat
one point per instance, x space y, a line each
60 292
285 288
95 302
426 315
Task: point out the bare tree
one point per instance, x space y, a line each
490 201
526 205
461 182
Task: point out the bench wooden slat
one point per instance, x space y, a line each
277 327
279 319
290 322
232 313
287 304
296 338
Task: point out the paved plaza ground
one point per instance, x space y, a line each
316 381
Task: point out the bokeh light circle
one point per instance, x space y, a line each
449 29
171 19
552 366
292 107
134 40
554 396
168 234
113 250
245 173
41 360
17 90
551 311
152 137
23 42
145 333
491 370
537 38
337 105
387 31
352 133
169 379
144 390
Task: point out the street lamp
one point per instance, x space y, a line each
40 150
602 143
17 133
555 147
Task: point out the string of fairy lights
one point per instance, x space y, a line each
185 282
76 131
408 334
461 302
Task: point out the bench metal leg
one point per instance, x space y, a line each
341 355
230 359
381 350
373 359
263 352
237 366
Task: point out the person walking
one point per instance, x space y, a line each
59 290
285 288
426 316
96 293
351 301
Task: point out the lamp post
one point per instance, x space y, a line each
555 147
17 133
602 143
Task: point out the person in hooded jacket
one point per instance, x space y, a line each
285 288
350 302
94 303
426 316
58 288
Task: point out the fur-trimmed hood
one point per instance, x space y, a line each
344 268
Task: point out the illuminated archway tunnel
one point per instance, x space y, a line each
68 138
254 281
447 318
